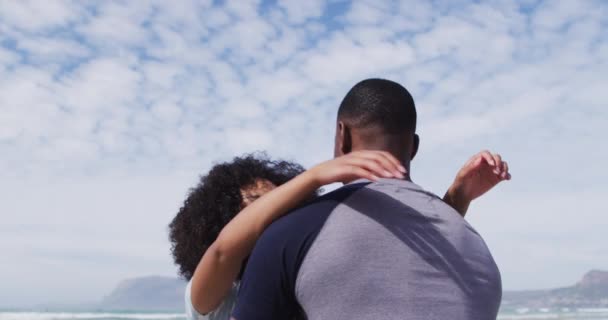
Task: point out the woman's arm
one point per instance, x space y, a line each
480 174
222 262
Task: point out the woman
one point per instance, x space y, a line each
228 210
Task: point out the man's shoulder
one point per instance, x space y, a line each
299 228
312 215
268 285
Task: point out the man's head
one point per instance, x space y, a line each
377 114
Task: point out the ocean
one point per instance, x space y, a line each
29 315
544 313
521 314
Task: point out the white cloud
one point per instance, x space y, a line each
217 18
8 58
555 14
117 25
54 13
101 84
340 58
368 12
300 11
43 49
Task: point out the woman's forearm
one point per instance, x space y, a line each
222 262
456 201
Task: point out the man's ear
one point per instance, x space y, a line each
415 146
345 141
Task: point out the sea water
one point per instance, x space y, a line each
520 314
27 315
563 313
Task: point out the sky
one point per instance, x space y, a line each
111 110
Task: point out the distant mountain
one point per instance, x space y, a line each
152 293
167 294
589 292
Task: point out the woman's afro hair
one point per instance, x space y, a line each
215 200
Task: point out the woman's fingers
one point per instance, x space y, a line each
398 166
497 163
358 171
505 171
386 160
371 164
488 157
368 165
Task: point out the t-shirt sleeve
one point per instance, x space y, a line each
268 285
191 313
266 290
221 312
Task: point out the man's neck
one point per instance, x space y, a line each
398 153
406 178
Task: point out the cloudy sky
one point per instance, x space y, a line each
110 110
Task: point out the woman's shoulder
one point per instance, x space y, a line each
222 312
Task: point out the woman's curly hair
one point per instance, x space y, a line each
215 200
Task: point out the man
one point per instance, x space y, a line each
383 250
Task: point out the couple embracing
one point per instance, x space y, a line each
255 240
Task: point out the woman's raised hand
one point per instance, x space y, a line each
480 174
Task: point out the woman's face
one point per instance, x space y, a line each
255 190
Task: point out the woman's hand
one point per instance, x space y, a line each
370 165
479 175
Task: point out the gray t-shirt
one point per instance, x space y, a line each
384 250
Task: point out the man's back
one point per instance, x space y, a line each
394 251
384 250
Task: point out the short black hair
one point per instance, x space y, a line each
215 200
379 103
